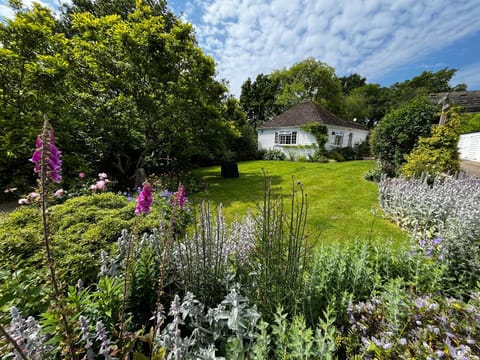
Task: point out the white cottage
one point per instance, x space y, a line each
285 134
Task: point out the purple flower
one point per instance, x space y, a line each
145 200
179 197
46 154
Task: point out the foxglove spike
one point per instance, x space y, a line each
145 200
45 148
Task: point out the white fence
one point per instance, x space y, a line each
469 146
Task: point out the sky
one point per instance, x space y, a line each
386 41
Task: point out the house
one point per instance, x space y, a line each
285 132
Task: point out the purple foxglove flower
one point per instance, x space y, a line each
145 200
46 149
179 197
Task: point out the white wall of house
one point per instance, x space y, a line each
337 137
469 146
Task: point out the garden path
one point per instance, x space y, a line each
470 167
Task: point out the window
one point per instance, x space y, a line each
337 138
285 137
350 139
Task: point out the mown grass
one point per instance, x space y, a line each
340 200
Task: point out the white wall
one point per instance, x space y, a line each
266 139
469 146
358 136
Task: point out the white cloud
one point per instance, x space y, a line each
470 76
5 12
371 37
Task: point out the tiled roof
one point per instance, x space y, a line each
469 100
308 112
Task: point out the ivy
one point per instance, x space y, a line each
319 131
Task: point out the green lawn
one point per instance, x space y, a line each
340 200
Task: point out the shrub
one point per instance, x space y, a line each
80 229
470 123
274 154
362 150
397 133
438 153
374 174
335 155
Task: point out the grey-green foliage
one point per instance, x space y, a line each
444 215
204 258
353 271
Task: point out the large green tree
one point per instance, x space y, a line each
351 82
312 80
124 91
258 99
368 104
425 83
33 81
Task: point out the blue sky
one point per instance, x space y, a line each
383 40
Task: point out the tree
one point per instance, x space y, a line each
398 132
368 104
309 80
351 82
421 85
152 91
258 99
123 93
123 8
33 75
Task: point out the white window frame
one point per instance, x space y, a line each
337 137
285 137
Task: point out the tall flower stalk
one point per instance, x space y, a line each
48 164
